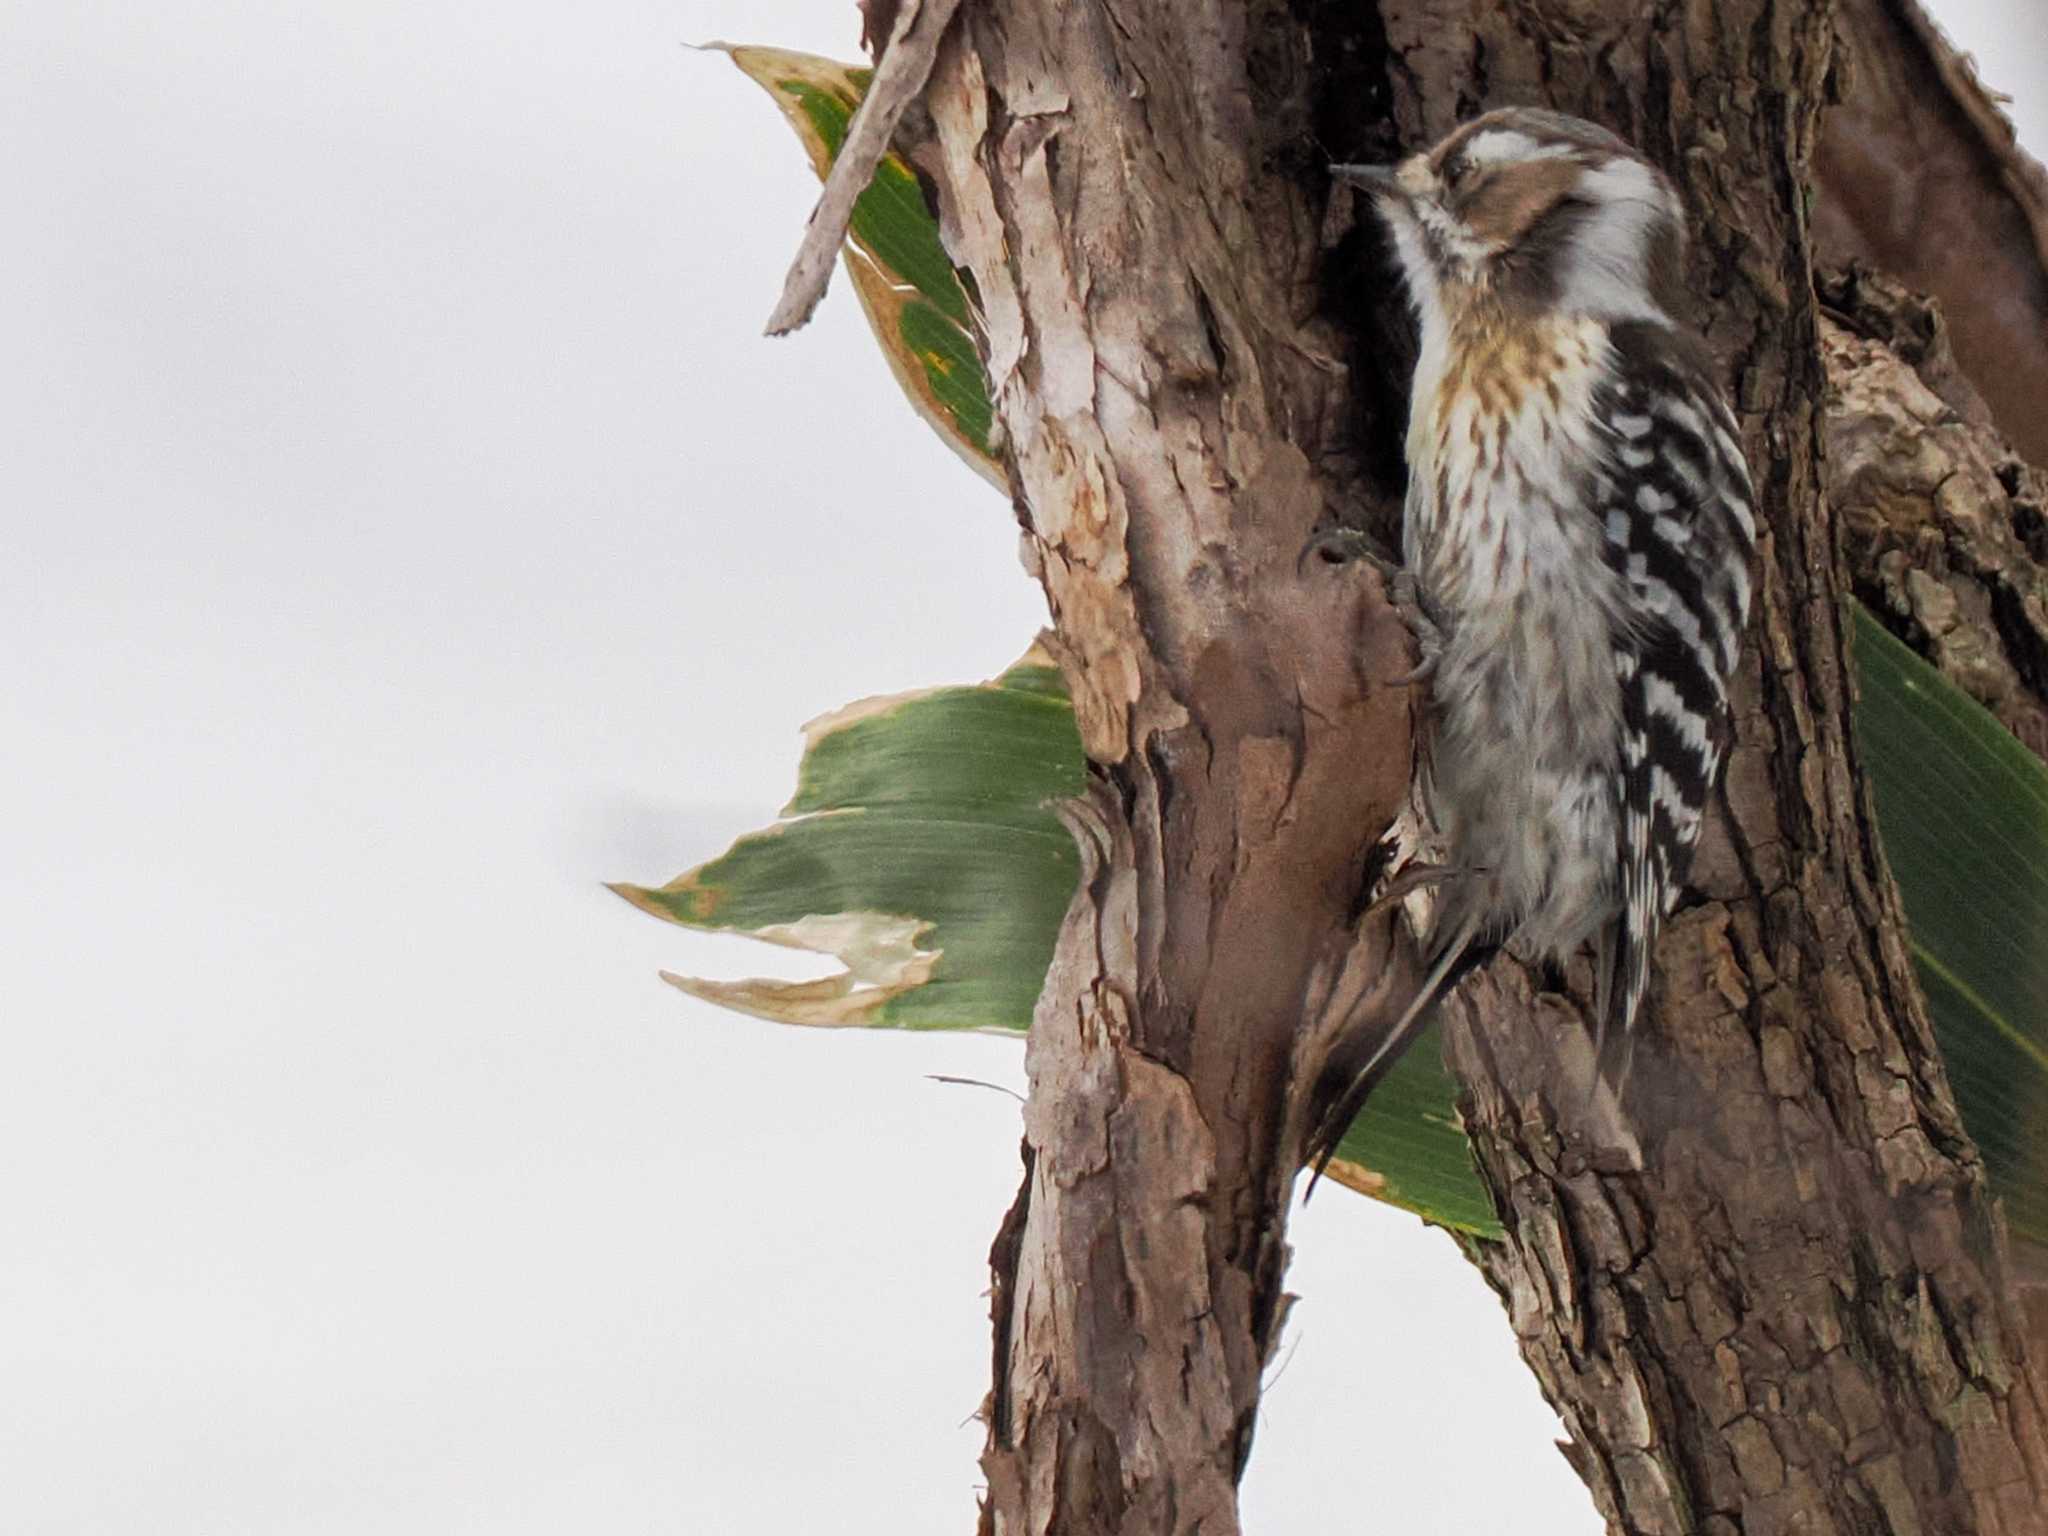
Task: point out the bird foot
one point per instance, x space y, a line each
1413 878
1347 546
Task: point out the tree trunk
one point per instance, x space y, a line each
1790 1312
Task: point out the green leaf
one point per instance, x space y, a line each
1408 1147
920 849
907 284
1963 810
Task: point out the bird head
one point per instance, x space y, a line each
1532 207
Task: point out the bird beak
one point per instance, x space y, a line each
1377 180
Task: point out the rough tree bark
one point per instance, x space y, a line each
1794 1313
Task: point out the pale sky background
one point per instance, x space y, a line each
404 528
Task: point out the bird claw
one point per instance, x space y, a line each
1346 546
1413 878
1406 595
1424 669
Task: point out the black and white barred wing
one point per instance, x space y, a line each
1681 530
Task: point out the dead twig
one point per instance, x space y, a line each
905 65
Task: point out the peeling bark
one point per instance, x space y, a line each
1919 176
1944 524
1793 1312
1174 408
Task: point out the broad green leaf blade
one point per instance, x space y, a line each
1963 810
1408 1147
920 849
922 853
907 285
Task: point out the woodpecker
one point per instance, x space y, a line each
1576 548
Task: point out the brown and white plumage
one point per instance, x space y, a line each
1578 528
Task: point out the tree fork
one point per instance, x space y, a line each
1792 1314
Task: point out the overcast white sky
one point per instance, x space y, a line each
403 529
